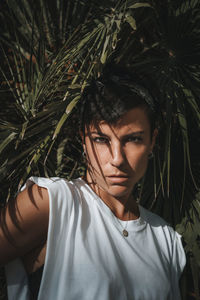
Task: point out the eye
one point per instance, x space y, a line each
100 140
134 139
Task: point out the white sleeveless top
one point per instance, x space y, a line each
88 257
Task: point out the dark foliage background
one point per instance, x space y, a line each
51 49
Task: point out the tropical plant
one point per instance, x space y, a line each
50 50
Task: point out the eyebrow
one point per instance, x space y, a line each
98 132
133 134
124 136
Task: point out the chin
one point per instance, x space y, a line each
119 191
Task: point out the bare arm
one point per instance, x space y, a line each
32 215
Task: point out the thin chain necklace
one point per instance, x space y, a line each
124 231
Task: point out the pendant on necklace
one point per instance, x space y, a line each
125 233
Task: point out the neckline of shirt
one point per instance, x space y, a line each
131 225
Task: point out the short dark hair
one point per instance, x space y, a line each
113 94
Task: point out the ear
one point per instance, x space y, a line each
83 140
82 136
153 139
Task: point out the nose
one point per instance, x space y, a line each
117 155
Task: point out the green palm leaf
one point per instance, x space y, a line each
50 50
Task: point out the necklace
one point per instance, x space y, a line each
124 231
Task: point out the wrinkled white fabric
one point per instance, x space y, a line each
88 257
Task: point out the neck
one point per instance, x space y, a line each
125 208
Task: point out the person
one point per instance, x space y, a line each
90 235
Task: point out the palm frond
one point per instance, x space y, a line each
50 50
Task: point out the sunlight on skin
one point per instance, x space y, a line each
117 158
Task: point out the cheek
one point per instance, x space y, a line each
97 155
138 158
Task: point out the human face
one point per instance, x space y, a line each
118 154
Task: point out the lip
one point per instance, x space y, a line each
118 178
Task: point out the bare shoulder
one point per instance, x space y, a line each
34 199
24 223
